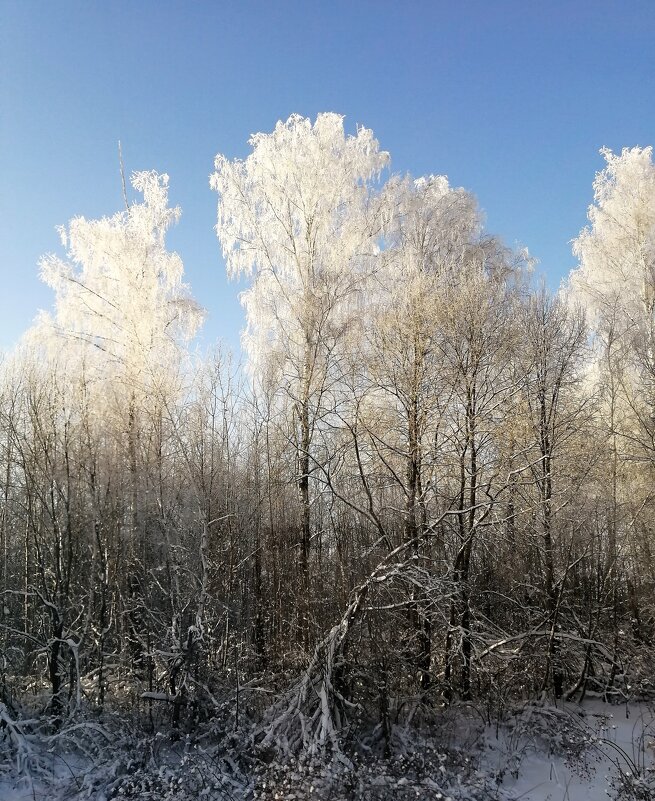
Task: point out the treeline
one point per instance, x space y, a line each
434 480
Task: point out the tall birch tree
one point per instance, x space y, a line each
295 217
123 315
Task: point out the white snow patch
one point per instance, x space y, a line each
572 753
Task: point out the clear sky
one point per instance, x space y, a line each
511 99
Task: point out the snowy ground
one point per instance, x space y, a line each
566 753
575 753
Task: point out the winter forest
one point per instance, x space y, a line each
421 503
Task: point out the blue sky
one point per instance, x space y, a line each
511 99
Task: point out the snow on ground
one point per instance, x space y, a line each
541 753
574 753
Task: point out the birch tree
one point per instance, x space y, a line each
295 217
429 229
479 345
123 314
120 292
553 337
121 304
616 280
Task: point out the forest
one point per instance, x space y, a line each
426 495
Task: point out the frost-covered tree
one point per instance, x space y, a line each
295 217
552 414
479 343
616 274
616 281
429 229
429 234
121 307
617 250
122 315
120 291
